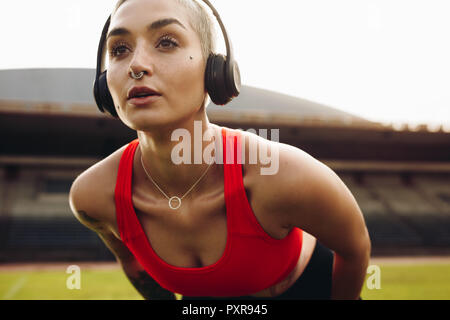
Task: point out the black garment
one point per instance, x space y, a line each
315 281
313 284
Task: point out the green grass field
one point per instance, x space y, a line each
414 281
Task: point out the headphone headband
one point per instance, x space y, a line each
228 45
222 75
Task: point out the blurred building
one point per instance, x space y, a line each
52 131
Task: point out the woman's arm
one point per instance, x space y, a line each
140 279
309 195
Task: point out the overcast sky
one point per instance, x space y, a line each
385 60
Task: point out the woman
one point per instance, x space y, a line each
209 229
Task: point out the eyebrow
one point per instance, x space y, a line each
151 27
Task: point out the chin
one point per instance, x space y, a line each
153 117
145 124
145 121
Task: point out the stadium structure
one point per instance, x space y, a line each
52 131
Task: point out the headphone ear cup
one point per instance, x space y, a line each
222 82
233 79
103 96
215 79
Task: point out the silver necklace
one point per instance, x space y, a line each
174 198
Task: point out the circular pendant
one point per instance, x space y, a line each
177 206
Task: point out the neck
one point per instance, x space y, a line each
176 165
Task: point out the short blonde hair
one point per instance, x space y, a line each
200 21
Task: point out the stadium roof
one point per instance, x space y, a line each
67 87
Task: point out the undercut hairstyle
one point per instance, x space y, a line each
200 21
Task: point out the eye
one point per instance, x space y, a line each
118 49
167 42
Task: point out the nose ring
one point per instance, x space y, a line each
137 76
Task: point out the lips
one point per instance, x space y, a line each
145 101
141 92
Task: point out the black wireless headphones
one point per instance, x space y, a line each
222 76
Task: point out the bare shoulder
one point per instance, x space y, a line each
284 176
278 164
308 194
91 196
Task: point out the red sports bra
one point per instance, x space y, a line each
252 260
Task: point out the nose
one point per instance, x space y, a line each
141 63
